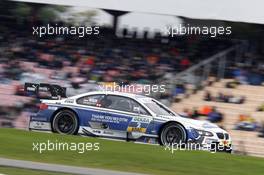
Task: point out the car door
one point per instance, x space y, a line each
104 115
90 114
117 115
112 116
132 119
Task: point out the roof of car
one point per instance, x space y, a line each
125 94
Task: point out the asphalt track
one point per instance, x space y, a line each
59 168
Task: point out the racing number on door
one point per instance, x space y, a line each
139 124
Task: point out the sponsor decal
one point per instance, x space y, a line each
33 88
52 108
141 124
39 125
92 100
108 119
96 131
69 101
141 119
108 132
136 129
43 89
37 118
208 125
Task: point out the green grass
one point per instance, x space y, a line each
19 171
126 156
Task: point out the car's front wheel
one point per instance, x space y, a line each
172 134
65 122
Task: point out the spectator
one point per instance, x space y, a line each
226 98
262 130
232 84
185 63
205 110
240 75
261 108
246 123
195 114
180 89
221 97
207 96
185 113
214 116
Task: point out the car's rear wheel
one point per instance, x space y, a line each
65 122
172 134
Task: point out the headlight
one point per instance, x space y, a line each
205 133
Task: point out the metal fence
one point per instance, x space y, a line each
198 75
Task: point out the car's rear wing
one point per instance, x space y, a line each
54 91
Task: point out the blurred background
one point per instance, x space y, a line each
217 79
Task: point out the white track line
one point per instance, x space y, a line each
59 168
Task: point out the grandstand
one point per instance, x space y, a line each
246 142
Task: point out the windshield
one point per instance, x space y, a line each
158 108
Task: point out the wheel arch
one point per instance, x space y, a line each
61 109
167 123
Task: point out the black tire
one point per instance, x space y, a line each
65 122
173 133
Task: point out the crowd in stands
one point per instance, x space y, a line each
211 114
246 123
249 70
101 59
79 63
225 98
232 84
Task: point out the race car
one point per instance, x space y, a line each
125 116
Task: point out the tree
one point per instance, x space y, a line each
49 13
85 18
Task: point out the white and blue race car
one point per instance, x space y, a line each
125 116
